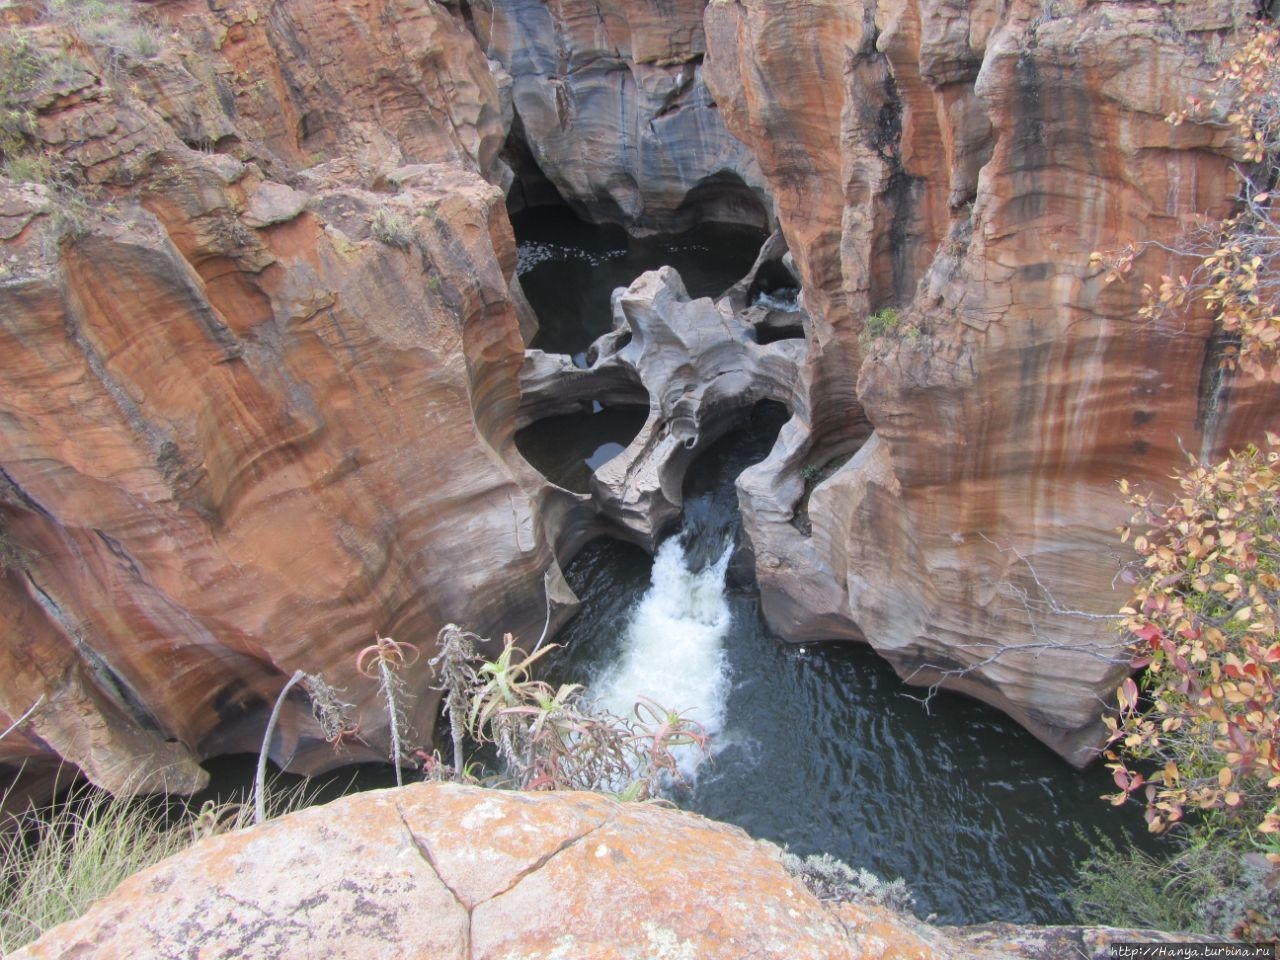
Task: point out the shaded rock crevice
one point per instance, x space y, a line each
610 100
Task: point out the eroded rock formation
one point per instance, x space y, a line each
263 343
615 114
440 871
258 397
960 162
701 370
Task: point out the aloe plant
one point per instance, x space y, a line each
455 666
556 738
383 660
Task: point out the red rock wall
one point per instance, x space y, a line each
961 161
242 435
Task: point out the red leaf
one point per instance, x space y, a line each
1128 694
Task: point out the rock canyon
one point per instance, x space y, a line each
265 344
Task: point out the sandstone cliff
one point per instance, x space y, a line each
612 110
264 345
959 162
260 379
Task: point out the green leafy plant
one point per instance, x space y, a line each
553 737
882 323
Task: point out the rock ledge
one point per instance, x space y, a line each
443 871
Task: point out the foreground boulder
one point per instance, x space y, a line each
441 871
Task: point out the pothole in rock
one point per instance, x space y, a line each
568 449
569 269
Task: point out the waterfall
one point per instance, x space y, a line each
673 651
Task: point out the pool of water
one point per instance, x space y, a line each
823 748
569 268
568 449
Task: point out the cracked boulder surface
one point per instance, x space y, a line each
437 871
442 871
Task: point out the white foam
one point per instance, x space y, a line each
533 253
788 303
674 648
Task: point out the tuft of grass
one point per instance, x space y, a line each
391 228
57 860
1198 885
111 26
882 322
28 167
21 66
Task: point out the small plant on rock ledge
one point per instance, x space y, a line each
882 323
555 738
20 69
391 228
834 880
382 661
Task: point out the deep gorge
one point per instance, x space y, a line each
271 365
818 747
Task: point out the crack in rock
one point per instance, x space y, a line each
424 850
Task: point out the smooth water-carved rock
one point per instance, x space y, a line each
615 113
702 370
961 162
253 416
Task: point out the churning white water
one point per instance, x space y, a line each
673 651
785 300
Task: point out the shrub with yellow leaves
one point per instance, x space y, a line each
1197 736
1205 616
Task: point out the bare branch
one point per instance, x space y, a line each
1115 653
22 719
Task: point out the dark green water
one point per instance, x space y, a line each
569 269
568 449
823 749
